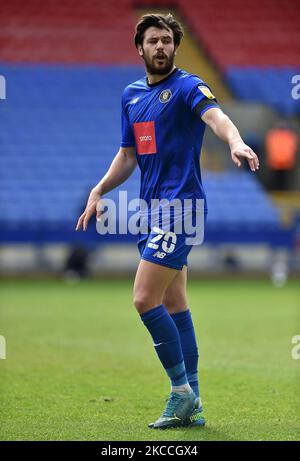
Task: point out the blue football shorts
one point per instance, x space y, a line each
169 248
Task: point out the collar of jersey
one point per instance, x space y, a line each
151 85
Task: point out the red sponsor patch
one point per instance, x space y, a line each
144 133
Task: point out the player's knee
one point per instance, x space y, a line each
143 303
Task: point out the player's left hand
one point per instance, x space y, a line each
91 208
240 150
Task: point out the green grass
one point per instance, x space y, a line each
81 366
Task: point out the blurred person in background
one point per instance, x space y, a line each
76 266
281 156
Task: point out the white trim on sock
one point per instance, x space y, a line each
183 389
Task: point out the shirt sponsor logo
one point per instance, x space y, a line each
165 96
206 91
144 133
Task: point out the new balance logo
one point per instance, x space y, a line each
160 254
134 100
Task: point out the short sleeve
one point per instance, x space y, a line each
127 132
198 96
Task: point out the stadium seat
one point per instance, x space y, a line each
61 122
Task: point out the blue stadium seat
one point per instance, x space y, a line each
272 86
61 132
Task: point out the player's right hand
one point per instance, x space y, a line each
90 209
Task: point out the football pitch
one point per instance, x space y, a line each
80 364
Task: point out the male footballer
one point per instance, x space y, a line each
164 115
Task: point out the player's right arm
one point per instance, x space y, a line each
120 169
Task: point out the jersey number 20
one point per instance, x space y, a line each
168 240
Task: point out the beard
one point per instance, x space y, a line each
155 67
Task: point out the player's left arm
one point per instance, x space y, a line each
224 128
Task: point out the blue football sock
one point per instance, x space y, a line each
167 343
185 327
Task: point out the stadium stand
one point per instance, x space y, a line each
61 120
271 86
52 158
254 43
67 32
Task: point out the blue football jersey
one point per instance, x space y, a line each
162 121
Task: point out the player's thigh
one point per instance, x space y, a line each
175 297
151 282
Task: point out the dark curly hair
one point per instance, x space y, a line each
161 22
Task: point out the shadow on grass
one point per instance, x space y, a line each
196 434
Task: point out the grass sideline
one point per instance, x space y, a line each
81 366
